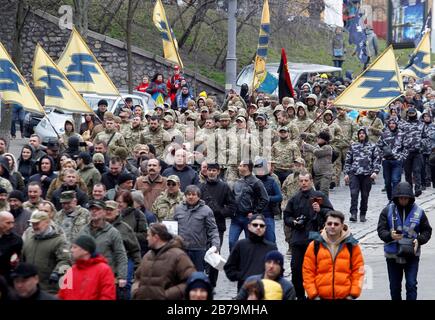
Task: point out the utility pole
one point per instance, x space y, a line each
231 65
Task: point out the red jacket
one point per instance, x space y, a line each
91 279
142 87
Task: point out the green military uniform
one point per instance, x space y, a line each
165 204
284 152
90 176
116 142
132 137
159 138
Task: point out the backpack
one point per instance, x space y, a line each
348 245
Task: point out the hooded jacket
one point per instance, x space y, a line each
424 231
91 279
333 273
197 226
394 141
67 135
163 273
199 277
363 158
413 131
50 175
288 289
27 168
428 131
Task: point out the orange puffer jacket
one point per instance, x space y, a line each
333 279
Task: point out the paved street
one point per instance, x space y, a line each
376 284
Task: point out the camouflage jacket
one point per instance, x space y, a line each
266 137
132 137
374 127
413 132
395 141
159 139
362 159
222 147
72 223
247 146
164 205
6 184
116 142
284 152
290 187
349 131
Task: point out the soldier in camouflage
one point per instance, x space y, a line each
72 218
133 133
349 129
125 125
154 134
311 102
284 120
169 126
362 165
113 139
164 205
265 136
284 152
373 124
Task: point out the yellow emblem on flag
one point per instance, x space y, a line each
59 92
82 68
170 44
376 87
263 43
419 64
13 87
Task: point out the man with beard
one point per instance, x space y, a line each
151 185
284 152
132 134
219 197
154 134
21 215
311 102
110 136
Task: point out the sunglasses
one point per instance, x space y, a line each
171 184
258 225
336 224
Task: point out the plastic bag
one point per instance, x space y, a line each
214 259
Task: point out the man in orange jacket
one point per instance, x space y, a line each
333 264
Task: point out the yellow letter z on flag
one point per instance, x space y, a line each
170 44
13 87
419 64
376 87
82 68
59 92
263 43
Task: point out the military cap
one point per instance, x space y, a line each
67 196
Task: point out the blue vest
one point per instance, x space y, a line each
410 228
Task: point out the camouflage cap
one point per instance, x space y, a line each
67 196
121 152
283 128
173 178
278 108
38 216
109 116
224 116
192 116
204 109
299 160
232 108
168 118
97 203
241 118
262 116
110 204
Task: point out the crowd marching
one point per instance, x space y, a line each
92 215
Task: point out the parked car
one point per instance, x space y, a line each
57 117
299 73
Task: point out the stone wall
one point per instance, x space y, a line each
43 28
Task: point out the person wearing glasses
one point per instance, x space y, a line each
305 212
247 257
165 204
333 264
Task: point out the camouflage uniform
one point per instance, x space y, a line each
374 127
116 142
6 184
30 206
72 223
284 152
294 133
124 127
132 137
312 111
303 123
158 138
349 129
265 138
165 204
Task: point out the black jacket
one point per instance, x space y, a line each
301 205
39 295
9 244
251 195
82 197
219 197
384 232
109 180
27 168
47 181
247 258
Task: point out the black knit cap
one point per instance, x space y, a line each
86 157
16 194
324 135
86 243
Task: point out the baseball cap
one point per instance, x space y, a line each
283 128
97 203
67 196
24 270
173 178
110 204
39 216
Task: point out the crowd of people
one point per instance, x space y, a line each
127 206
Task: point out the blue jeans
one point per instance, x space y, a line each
392 175
269 235
238 224
17 115
197 257
395 275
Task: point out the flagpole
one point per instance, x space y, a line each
170 35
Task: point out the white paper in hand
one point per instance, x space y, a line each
214 259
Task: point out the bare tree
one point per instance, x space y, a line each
109 14
81 8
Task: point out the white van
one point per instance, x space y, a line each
299 73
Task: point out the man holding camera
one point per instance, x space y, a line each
305 212
404 227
